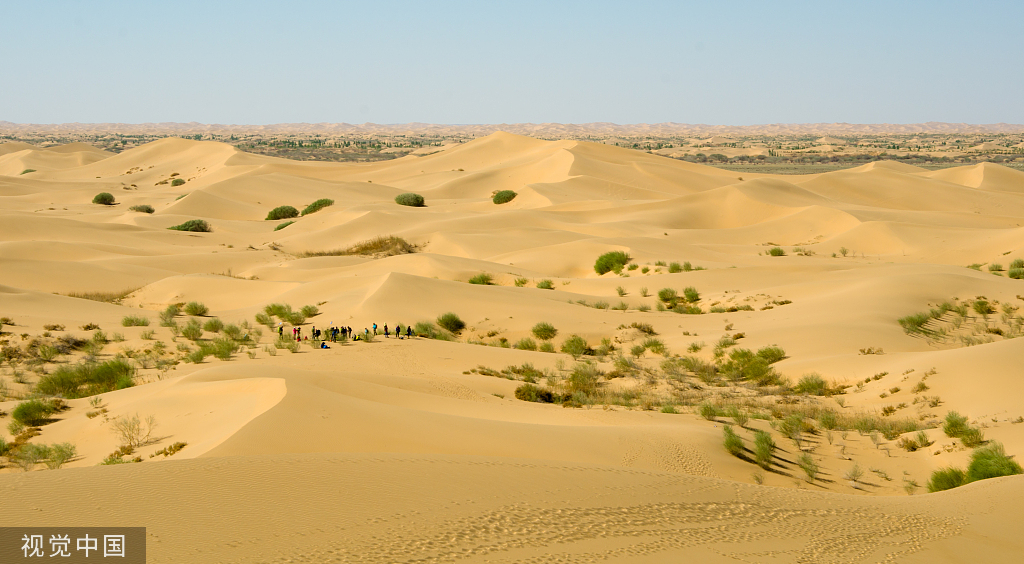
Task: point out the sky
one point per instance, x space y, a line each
491 62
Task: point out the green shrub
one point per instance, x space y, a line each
530 392
583 379
691 294
483 279
520 282
526 344
104 198
1017 263
429 330
1016 273
134 321
812 384
281 226
310 310
143 208
546 347
504 196
828 420
946 479
809 466
914 323
213 325
546 284
972 437
34 412
196 308
410 199
991 461
611 261
283 212
771 354
668 295
674 267
194 225
28 170
544 331
451 322
708 411
192 330
178 182
59 454
764 449
197 356
575 345
776 252
317 206
87 379
733 443
955 425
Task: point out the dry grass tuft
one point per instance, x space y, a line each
378 247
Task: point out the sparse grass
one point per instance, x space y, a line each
991 461
282 212
142 208
546 284
764 449
134 321
317 206
526 344
809 466
575 345
503 197
483 279
410 199
612 261
281 226
108 297
520 282
674 267
777 252
213 325
28 170
193 330
383 246
946 479
193 225
104 199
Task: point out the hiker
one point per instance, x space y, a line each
280 330
374 328
386 334
408 331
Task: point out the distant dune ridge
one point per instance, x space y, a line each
419 450
546 130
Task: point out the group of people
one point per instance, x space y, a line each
333 332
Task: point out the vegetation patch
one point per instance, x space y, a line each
104 199
612 261
379 247
503 197
87 379
317 206
142 208
410 199
194 225
283 212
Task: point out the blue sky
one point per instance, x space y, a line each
731 63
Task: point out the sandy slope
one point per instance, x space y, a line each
395 451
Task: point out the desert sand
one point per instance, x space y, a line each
417 450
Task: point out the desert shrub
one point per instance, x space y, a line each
544 331
28 170
738 417
87 379
196 308
34 412
764 449
283 212
222 347
914 323
1017 263
776 252
382 246
827 419
59 454
691 294
972 437
546 347
133 432
28 455
504 196
526 344
520 282
743 364
178 182
991 461
530 392
281 226
317 206
192 330
213 325
771 354
668 295
811 384
946 479
955 425
410 199
809 466
583 379
1016 273
611 261
451 322
483 279
656 346
708 411
546 284
674 267
142 208
430 331
309 310
733 443
134 321
575 345
104 198
194 225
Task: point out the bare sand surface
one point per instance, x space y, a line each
417 450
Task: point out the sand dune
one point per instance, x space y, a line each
418 450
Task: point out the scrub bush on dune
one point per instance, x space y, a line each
283 212
544 331
451 322
87 379
611 261
504 196
143 208
104 199
317 206
194 225
410 199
